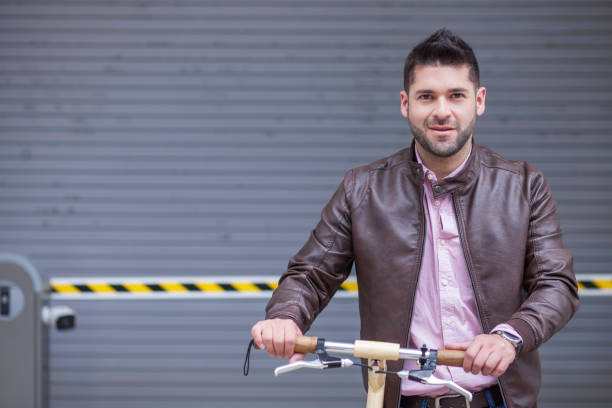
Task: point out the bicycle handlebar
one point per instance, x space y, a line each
378 350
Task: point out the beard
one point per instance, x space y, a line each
445 149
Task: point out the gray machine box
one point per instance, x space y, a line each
22 334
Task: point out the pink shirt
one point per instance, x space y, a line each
444 306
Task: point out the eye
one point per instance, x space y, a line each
457 95
424 97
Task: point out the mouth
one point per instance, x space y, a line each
442 130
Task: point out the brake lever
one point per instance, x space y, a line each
449 384
427 377
316 364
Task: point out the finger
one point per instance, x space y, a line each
492 362
256 334
266 336
480 359
290 338
287 348
470 353
501 367
297 357
279 340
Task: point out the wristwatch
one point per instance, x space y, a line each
512 339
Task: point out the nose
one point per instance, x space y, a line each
441 109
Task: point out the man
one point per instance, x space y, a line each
454 247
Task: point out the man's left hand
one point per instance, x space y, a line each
490 354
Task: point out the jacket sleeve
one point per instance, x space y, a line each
317 270
549 281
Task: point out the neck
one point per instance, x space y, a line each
443 166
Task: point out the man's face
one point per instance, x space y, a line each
441 107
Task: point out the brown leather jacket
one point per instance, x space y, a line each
509 230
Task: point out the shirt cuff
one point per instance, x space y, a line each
507 328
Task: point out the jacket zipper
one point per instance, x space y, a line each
471 274
421 246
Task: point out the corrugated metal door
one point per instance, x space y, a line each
167 138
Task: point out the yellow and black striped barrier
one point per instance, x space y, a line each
593 284
174 287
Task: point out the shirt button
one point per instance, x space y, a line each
448 321
442 242
444 282
430 176
437 203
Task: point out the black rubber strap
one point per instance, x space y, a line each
247 359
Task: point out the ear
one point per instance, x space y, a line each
404 103
480 100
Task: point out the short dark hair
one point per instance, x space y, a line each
445 48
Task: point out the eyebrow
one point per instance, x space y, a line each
428 91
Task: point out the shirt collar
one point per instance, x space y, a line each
453 173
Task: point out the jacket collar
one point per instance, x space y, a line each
450 184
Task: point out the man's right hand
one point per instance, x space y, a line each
277 337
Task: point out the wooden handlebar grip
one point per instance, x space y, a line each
453 358
305 344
